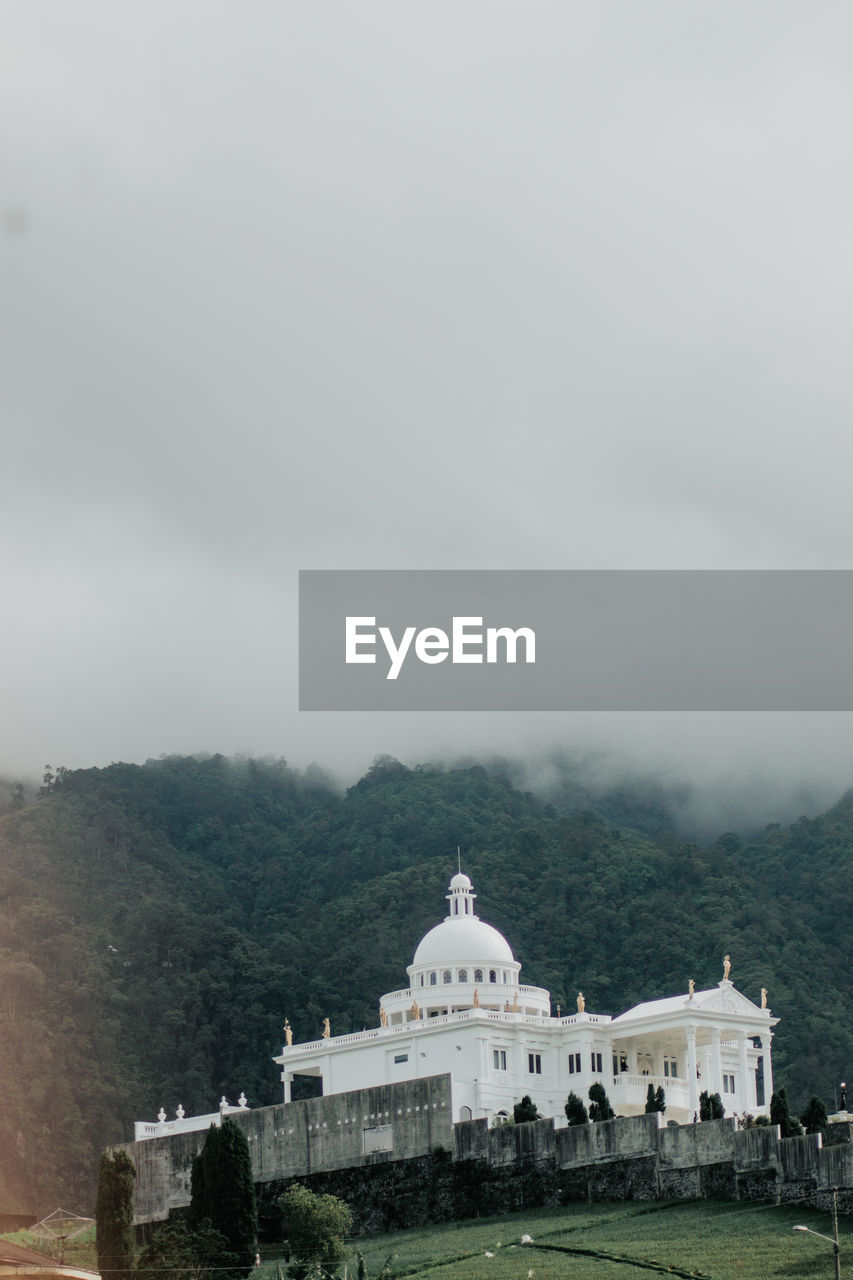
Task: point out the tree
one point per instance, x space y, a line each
222 1193
599 1104
314 1228
576 1112
789 1126
813 1118
711 1106
655 1099
114 1215
525 1110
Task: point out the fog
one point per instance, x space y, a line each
550 285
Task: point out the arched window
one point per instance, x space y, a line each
463 975
478 975
447 976
464 1113
493 977
422 979
433 978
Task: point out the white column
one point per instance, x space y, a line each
744 1093
768 1069
692 1082
716 1082
287 1081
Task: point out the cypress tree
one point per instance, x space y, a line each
222 1191
814 1118
114 1215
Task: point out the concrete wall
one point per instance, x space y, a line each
389 1123
401 1136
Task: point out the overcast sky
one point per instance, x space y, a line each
392 285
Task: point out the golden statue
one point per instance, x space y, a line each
581 1002
727 968
327 1030
515 1003
476 997
415 1011
383 1017
764 997
288 1032
690 988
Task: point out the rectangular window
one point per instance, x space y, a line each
728 1084
534 1064
499 1059
595 1062
670 1068
401 1057
615 1065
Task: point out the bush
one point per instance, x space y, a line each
599 1104
576 1112
525 1110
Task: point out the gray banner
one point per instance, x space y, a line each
574 640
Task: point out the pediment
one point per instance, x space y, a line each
727 999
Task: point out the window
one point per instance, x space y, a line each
574 1063
433 979
493 975
447 976
401 1057
499 1059
534 1064
728 1084
670 1067
422 979
463 975
506 979
478 975
615 1065
595 1062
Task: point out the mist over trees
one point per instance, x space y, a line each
159 922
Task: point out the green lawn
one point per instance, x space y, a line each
721 1241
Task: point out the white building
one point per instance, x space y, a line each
466 1013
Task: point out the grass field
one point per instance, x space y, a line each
623 1241
617 1242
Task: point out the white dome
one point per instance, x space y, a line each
460 881
463 940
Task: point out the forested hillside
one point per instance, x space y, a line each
158 922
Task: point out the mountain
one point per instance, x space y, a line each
158 922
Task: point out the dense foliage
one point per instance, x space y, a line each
159 922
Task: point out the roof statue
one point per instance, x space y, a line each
764 997
691 988
727 968
581 1002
